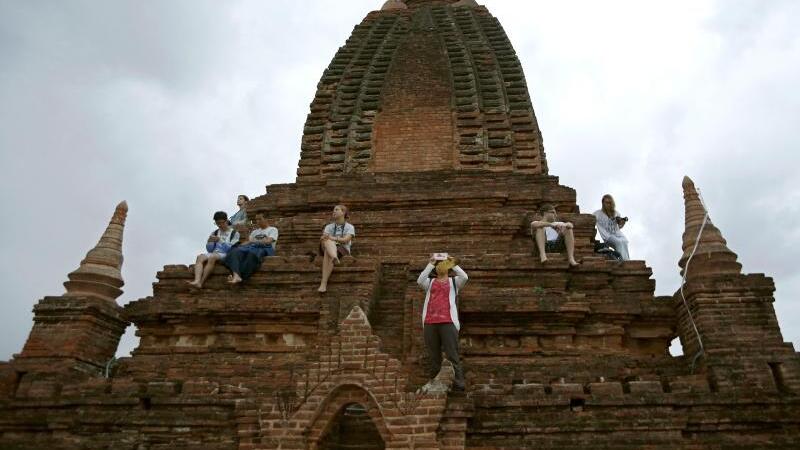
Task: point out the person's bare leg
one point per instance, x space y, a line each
332 251
540 240
198 270
569 241
212 260
327 268
328 258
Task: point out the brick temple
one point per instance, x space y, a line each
423 125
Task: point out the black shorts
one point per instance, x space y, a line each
341 251
556 246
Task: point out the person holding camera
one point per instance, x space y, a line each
219 243
609 225
440 323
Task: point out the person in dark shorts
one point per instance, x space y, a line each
553 236
440 324
337 237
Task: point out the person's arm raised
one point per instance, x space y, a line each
423 280
461 277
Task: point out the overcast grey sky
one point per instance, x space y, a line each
178 106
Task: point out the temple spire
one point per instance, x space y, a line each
712 256
99 273
405 4
393 4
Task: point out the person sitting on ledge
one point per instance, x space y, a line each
218 245
240 217
245 259
552 236
440 323
609 225
337 237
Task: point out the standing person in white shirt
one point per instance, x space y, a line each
337 237
440 322
553 236
609 225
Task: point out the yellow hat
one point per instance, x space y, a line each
448 264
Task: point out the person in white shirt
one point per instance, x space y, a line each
552 236
219 243
245 259
440 322
609 225
337 237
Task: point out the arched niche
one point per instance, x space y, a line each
352 428
338 404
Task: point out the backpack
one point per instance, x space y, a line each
233 233
608 251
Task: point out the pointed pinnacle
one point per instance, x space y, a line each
712 255
99 274
406 4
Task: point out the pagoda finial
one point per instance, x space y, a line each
393 4
99 274
711 254
405 4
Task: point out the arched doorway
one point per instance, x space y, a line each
352 429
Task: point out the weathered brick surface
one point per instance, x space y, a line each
423 126
433 86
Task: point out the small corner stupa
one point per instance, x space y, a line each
99 274
77 333
702 240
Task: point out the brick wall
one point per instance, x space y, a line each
414 129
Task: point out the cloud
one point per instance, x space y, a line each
179 108
633 95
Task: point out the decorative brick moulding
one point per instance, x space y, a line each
423 126
351 370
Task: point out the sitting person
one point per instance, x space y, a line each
240 217
440 323
337 237
245 259
552 236
609 225
218 245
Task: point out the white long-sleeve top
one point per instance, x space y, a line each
457 283
607 226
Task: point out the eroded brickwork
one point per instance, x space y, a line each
432 86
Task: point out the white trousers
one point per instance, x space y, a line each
620 244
